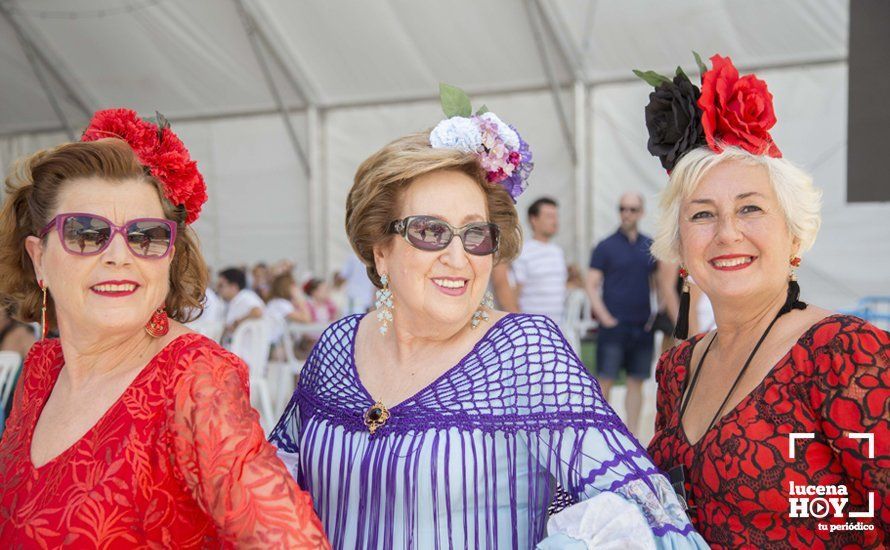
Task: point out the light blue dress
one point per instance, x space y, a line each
474 459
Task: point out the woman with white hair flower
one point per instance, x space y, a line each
738 217
439 422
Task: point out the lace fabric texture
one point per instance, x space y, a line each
473 459
834 381
179 461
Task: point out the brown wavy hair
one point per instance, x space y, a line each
32 192
375 198
281 287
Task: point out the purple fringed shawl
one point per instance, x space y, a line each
473 459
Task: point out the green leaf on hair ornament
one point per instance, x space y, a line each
702 68
652 78
455 101
482 110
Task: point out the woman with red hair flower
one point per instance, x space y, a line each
783 399
128 430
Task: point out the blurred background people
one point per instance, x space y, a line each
261 280
619 285
286 305
15 335
359 288
536 281
321 307
242 303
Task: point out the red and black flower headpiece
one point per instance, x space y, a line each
727 110
158 149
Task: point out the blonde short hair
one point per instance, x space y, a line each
374 201
801 202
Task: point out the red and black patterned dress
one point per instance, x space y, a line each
178 461
834 382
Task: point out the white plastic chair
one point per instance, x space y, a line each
10 363
578 318
210 328
287 369
250 342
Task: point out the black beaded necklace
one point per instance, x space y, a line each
678 475
688 397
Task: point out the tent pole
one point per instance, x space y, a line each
581 214
47 88
315 198
38 72
298 81
551 78
559 35
251 30
31 49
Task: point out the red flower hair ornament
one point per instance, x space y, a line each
158 149
728 110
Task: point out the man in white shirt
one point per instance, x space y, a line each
241 302
539 274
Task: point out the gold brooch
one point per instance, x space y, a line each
376 416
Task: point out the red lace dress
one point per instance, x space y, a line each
179 461
834 381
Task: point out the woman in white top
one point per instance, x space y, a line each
286 304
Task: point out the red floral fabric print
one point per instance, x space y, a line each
834 381
179 461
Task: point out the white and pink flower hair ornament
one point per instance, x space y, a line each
504 155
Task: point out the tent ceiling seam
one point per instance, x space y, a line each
250 28
537 33
44 58
565 86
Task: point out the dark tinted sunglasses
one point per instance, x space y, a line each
631 209
89 234
432 234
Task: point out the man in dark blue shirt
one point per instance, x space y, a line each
618 284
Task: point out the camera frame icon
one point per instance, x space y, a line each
793 437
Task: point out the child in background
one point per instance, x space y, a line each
322 308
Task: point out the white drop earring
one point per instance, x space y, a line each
481 314
383 304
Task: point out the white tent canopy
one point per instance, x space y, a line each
351 75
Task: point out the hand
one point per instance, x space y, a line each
609 322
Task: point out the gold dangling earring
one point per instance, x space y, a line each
481 314
383 304
43 327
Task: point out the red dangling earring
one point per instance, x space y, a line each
43 328
159 324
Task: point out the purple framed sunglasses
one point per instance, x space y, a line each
85 234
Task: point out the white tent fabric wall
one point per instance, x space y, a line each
257 206
370 72
258 196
